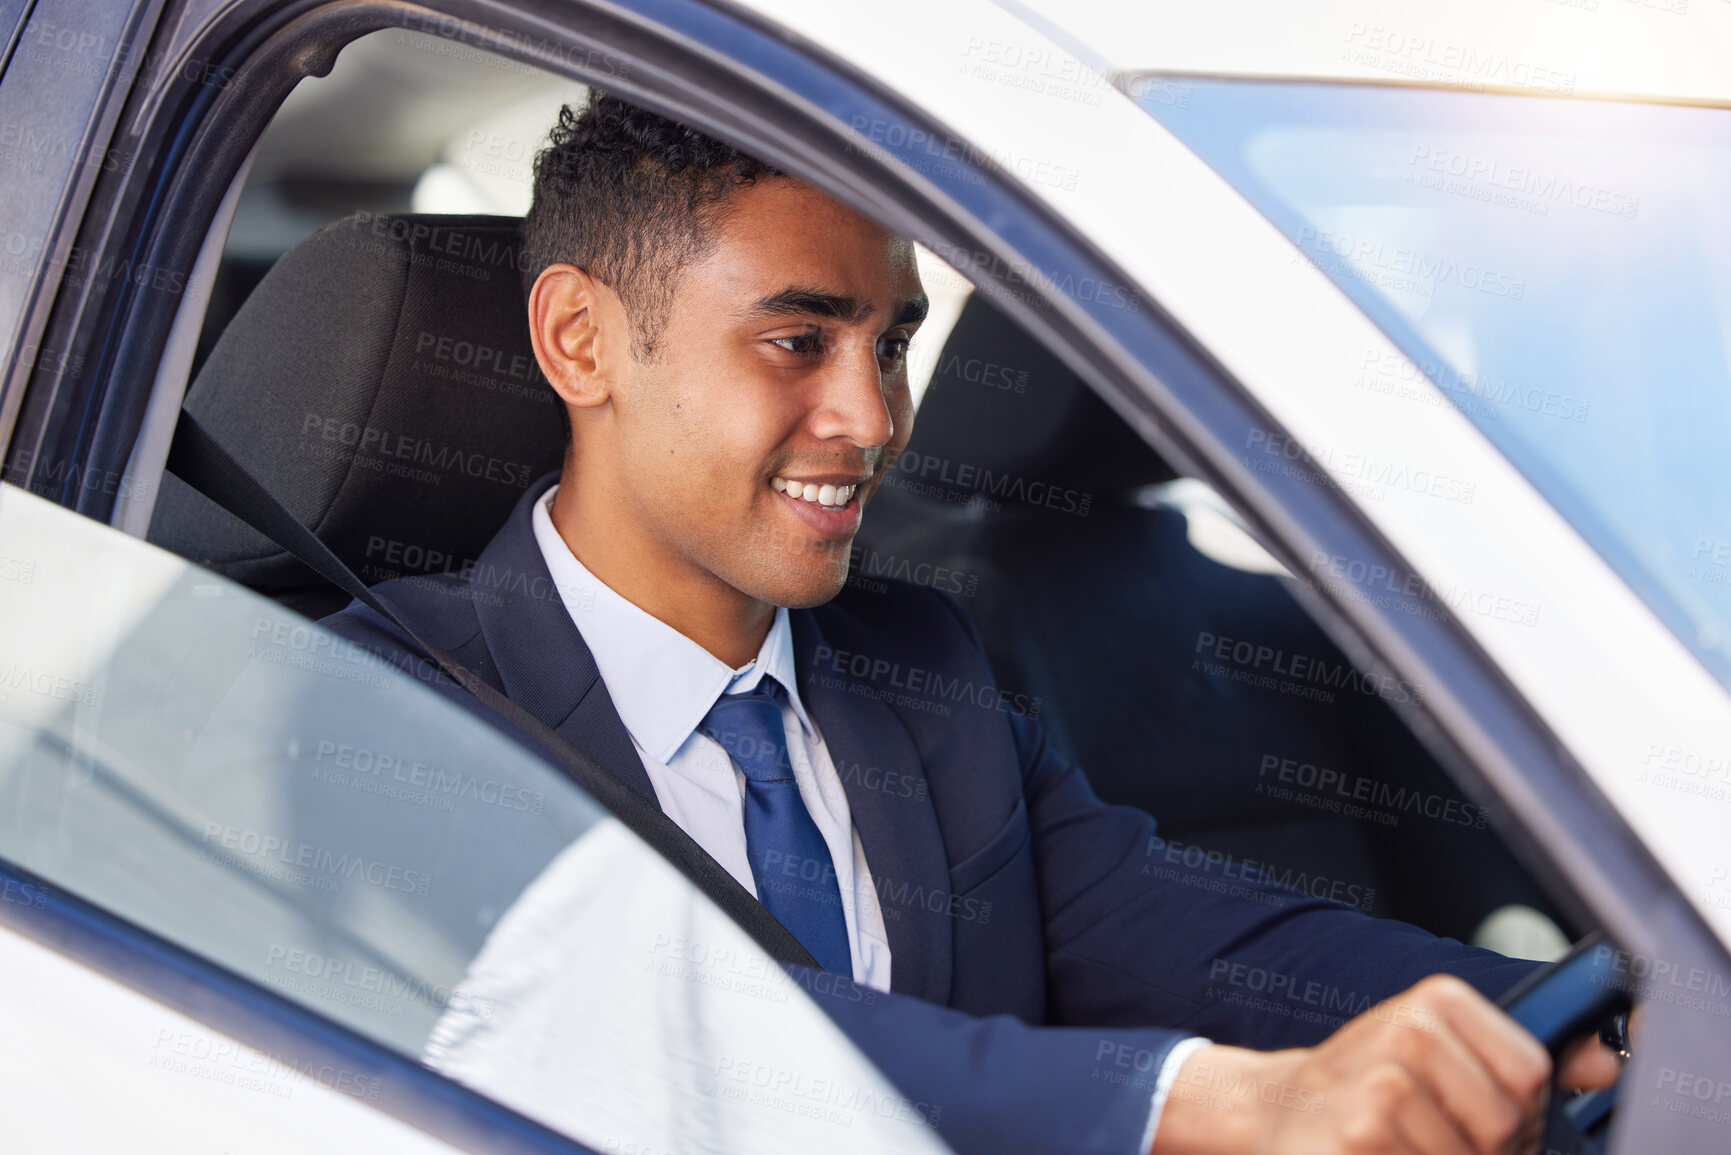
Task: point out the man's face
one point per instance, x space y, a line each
780 370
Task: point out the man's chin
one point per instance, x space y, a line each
811 594
802 591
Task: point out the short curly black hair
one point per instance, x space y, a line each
631 197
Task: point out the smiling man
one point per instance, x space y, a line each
731 348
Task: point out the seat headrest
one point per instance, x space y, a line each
1002 414
380 382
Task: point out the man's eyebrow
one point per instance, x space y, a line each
800 301
911 311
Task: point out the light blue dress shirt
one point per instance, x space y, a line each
662 684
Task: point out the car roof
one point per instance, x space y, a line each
1668 50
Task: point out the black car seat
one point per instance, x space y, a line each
1030 497
380 382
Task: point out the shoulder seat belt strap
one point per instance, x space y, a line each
200 461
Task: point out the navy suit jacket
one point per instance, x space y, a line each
1070 945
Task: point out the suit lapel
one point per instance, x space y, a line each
543 664
892 810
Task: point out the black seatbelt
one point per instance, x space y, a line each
201 462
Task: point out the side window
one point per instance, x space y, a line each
225 773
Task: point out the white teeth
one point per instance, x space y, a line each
828 496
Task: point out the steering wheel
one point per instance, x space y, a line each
1560 1004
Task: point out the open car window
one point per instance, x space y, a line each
1235 720
226 774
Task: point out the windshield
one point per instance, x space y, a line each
1559 270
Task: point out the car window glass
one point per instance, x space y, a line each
226 774
1556 269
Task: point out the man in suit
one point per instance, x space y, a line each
731 346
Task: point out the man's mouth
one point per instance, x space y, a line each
822 494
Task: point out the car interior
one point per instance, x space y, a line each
363 354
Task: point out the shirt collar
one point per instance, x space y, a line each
661 682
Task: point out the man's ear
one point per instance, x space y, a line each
574 323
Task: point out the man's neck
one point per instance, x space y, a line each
729 624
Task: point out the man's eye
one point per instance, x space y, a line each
893 348
801 344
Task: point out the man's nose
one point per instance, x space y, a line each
853 401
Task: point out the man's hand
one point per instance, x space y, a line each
1436 1070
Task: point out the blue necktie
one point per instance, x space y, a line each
789 860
